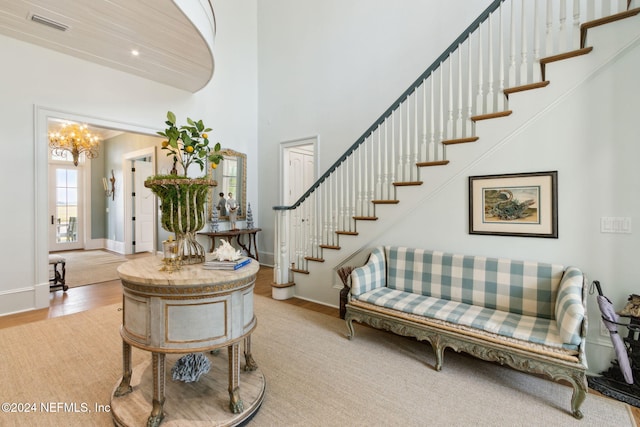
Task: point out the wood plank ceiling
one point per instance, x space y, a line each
171 50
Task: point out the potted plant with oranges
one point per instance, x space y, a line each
183 198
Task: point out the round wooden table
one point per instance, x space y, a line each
186 311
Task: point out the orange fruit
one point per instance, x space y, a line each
188 149
205 136
214 166
165 143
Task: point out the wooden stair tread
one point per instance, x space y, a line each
310 258
330 247
297 270
602 21
347 233
435 163
365 218
385 202
460 140
407 183
530 86
562 56
491 115
566 55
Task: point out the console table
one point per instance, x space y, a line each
238 234
186 311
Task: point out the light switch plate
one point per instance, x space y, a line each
615 224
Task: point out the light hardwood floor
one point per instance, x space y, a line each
92 296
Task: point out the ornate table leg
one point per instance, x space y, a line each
125 384
236 405
157 413
250 364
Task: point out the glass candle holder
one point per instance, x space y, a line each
170 255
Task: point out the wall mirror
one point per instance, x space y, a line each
231 176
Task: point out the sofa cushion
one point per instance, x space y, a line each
371 275
522 327
569 308
520 287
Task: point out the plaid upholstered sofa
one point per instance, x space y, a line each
527 315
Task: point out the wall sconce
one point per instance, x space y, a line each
111 192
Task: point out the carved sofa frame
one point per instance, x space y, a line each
386 311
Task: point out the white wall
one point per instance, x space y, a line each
331 68
43 78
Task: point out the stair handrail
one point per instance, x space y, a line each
448 51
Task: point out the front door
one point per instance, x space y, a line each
65 220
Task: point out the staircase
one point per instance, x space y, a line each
493 80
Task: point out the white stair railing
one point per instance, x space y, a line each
501 49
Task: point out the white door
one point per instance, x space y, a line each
144 207
65 213
301 173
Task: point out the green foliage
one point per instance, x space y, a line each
182 204
189 143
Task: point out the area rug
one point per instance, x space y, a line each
89 267
314 377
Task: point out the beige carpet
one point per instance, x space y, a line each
314 377
89 267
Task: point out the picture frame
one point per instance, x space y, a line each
518 204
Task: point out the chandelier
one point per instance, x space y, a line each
75 139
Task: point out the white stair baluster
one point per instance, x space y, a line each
480 95
562 30
490 94
501 104
459 119
537 72
523 46
575 34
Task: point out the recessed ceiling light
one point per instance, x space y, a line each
135 52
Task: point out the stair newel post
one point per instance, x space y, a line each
306 232
281 249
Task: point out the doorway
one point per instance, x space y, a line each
42 227
299 168
139 202
65 207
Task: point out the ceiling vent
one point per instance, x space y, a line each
49 22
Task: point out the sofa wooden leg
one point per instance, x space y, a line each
351 332
579 395
438 350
